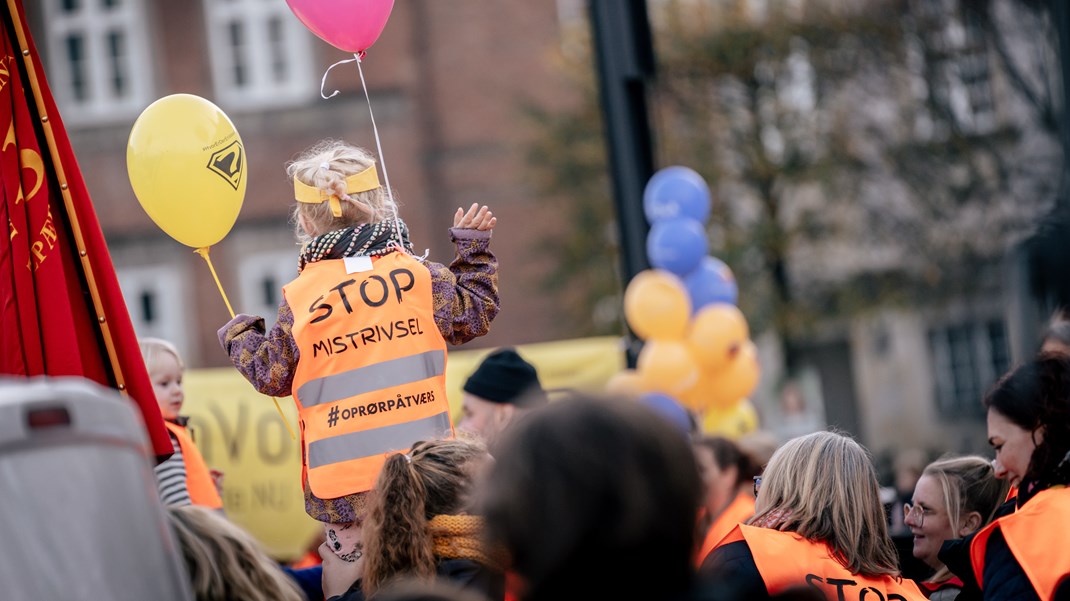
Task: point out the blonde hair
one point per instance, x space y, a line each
823 486
968 484
224 561
434 478
153 348
341 160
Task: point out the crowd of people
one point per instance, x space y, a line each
587 497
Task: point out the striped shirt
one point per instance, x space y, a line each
171 477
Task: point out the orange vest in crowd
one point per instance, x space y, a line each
371 377
202 490
786 560
1036 536
738 511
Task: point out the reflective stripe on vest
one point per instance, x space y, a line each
786 560
199 484
358 445
1036 536
370 379
403 370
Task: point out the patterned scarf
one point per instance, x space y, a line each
459 537
364 240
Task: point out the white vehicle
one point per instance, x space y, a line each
80 517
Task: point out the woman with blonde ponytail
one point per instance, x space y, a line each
953 497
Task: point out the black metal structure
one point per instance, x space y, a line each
625 63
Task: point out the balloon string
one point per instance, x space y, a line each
379 149
323 82
203 252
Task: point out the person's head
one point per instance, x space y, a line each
504 387
224 561
824 487
953 497
165 367
336 186
1029 419
434 478
907 466
1056 336
758 446
584 486
721 465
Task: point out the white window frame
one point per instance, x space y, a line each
260 90
164 283
279 266
93 21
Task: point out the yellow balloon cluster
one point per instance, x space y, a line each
705 361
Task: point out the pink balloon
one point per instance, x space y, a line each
349 25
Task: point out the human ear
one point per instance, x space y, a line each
970 522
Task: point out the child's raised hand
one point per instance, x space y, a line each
477 218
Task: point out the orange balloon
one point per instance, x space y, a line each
666 366
733 422
627 382
656 305
697 397
736 380
717 333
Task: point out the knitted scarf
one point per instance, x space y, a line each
366 239
459 537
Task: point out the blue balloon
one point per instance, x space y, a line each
677 245
667 407
676 192
711 282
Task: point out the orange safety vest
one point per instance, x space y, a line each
1036 536
738 511
787 560
371 376
202 490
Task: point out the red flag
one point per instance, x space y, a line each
61 310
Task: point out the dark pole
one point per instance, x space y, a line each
624 56
1060 14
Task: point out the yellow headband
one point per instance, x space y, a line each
358 182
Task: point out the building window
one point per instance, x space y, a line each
154 304
261 55
967 359
261 278
958 70
98 58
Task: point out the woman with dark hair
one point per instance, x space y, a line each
728 477
594 498
1024 555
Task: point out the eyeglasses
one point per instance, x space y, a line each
914 512
757 484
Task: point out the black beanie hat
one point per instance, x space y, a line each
505 377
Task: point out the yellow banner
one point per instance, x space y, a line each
240 432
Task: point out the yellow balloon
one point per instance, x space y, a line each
716 334
627 382
666 366
733 422
656 305
186 163
736 380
